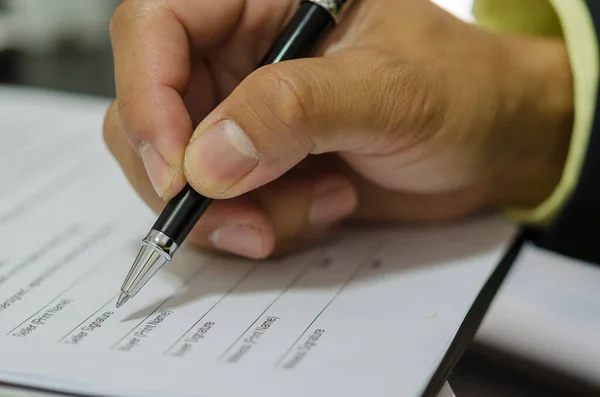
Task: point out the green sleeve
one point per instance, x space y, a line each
571 20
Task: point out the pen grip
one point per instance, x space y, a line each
300 37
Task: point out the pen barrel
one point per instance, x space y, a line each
302 35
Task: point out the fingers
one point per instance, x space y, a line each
291 213
284 112
130 162
157 75
152 69
237 226
301 206
151 46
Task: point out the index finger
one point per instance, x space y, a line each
151 44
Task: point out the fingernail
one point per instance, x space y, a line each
221 156
160 174
241 240
334 200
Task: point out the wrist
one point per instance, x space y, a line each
536 110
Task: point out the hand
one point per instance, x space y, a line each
409 115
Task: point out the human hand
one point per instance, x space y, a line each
409 115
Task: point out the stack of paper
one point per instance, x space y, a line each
372 313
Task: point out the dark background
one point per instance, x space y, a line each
73 66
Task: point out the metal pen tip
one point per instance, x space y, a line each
151 257
123 297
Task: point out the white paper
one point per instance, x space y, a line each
371 313
548 312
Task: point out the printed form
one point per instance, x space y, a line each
370 313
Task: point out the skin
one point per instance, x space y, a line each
407 115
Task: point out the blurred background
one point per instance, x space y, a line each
59 44
64 45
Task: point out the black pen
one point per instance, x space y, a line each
313 20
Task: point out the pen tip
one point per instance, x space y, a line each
123 297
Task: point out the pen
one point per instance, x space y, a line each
313 20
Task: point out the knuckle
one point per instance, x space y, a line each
132 12
417 94
292 99
119 18
408 97
392 96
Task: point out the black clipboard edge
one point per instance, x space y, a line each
467 330
43 390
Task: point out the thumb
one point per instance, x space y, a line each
280 114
